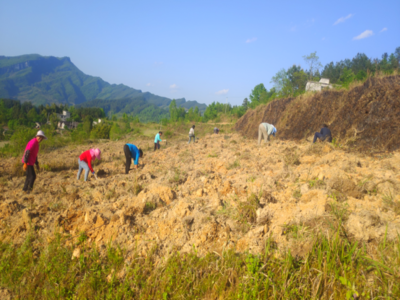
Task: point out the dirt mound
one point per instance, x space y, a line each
367 116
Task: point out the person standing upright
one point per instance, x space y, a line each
265 129
191 135
30 158
157 140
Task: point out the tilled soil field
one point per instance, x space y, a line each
223 192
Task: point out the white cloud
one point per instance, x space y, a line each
158 63
342 19
251 40
384 29
149 84
365 34
222 92
173 86
323 39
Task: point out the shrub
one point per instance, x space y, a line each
101 131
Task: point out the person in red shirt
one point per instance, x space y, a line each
85 161
30 158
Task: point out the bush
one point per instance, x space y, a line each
101 131
115 132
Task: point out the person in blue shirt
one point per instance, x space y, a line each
324 134
157 140
132 152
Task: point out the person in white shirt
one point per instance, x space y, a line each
265 130
191 134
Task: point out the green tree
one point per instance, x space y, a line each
173 111
347 77
32 115
256 94
313 63
88 125
53 120
245 104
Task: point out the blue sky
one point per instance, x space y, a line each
201 50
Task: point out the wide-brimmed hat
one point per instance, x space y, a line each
41 133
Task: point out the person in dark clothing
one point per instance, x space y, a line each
324 134
131 151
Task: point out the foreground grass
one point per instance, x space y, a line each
335 268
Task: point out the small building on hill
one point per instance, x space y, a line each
64 116
318 85
67 124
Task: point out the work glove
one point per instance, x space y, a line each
25 166
93 172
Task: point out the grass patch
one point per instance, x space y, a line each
334 268
213 154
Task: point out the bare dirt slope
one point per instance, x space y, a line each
366 116
199 196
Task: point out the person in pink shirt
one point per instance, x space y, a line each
85 161
30 158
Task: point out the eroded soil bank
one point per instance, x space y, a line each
365 117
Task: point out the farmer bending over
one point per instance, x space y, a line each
265 129
131 152
324 134
85 161
30 158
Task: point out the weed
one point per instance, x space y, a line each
149 207
168 134
292 158
234 165
390 203
296 194
246 214
111 194
213 154
337 196
335 143
295 231
179 177
334 268
57 206
227 210
251 178
233 142
316 183
82 237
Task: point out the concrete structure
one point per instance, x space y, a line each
64 116
318 86
67 124
97 122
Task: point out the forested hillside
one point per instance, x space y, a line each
46 80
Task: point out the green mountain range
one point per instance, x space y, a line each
47 79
